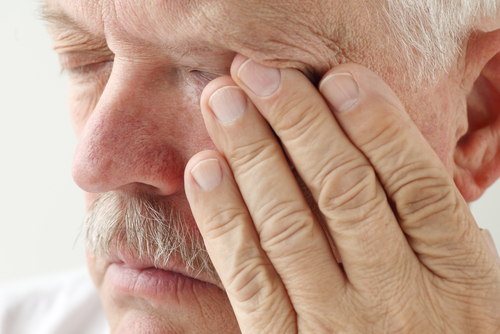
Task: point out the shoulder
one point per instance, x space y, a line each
63 303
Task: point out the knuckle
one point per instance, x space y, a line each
284 224
222 222
281 244
280 211
333 170
345 166
246 157
251 287
353 197
424 193
295 116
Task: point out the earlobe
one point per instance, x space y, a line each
477 155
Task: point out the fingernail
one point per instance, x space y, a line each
489 240
228 103
262 80
207 174
341 90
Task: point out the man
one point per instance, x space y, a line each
359 226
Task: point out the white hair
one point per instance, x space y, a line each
144 226
430 32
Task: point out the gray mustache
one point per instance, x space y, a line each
146 226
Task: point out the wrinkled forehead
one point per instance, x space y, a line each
289 32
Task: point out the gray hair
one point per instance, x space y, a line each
430 33
144 226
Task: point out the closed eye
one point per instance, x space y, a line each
88 71
202 77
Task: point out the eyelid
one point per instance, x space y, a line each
201 78
204 76
89 68
80 59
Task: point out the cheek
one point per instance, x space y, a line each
81 103
96 273
133 128
176 115
434 115
89 199
84 94
79 115
436 130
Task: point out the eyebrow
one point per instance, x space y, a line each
59 19
64 25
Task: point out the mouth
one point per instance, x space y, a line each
168 282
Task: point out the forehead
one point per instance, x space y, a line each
291 33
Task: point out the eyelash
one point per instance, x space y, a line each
87 70
98 73
202 78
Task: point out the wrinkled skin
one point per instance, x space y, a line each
370 186
137 70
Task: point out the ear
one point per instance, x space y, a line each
477 155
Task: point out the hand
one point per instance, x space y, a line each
413 258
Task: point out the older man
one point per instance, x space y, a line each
337 156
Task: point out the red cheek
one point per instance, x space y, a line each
89 199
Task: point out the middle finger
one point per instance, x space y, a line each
340 178
289 233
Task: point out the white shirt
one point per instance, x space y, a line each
60 304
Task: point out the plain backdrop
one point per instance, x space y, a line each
41 208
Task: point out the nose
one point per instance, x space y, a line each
130 141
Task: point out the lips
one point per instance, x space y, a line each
129 276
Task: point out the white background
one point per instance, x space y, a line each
41 209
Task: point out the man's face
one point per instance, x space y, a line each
137 69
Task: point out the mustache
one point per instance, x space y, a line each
145 226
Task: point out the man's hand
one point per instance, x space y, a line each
413 258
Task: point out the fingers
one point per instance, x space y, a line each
342 165
431 211
256 293
288 231
339 176
384 194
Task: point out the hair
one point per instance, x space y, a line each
431 32
144 226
